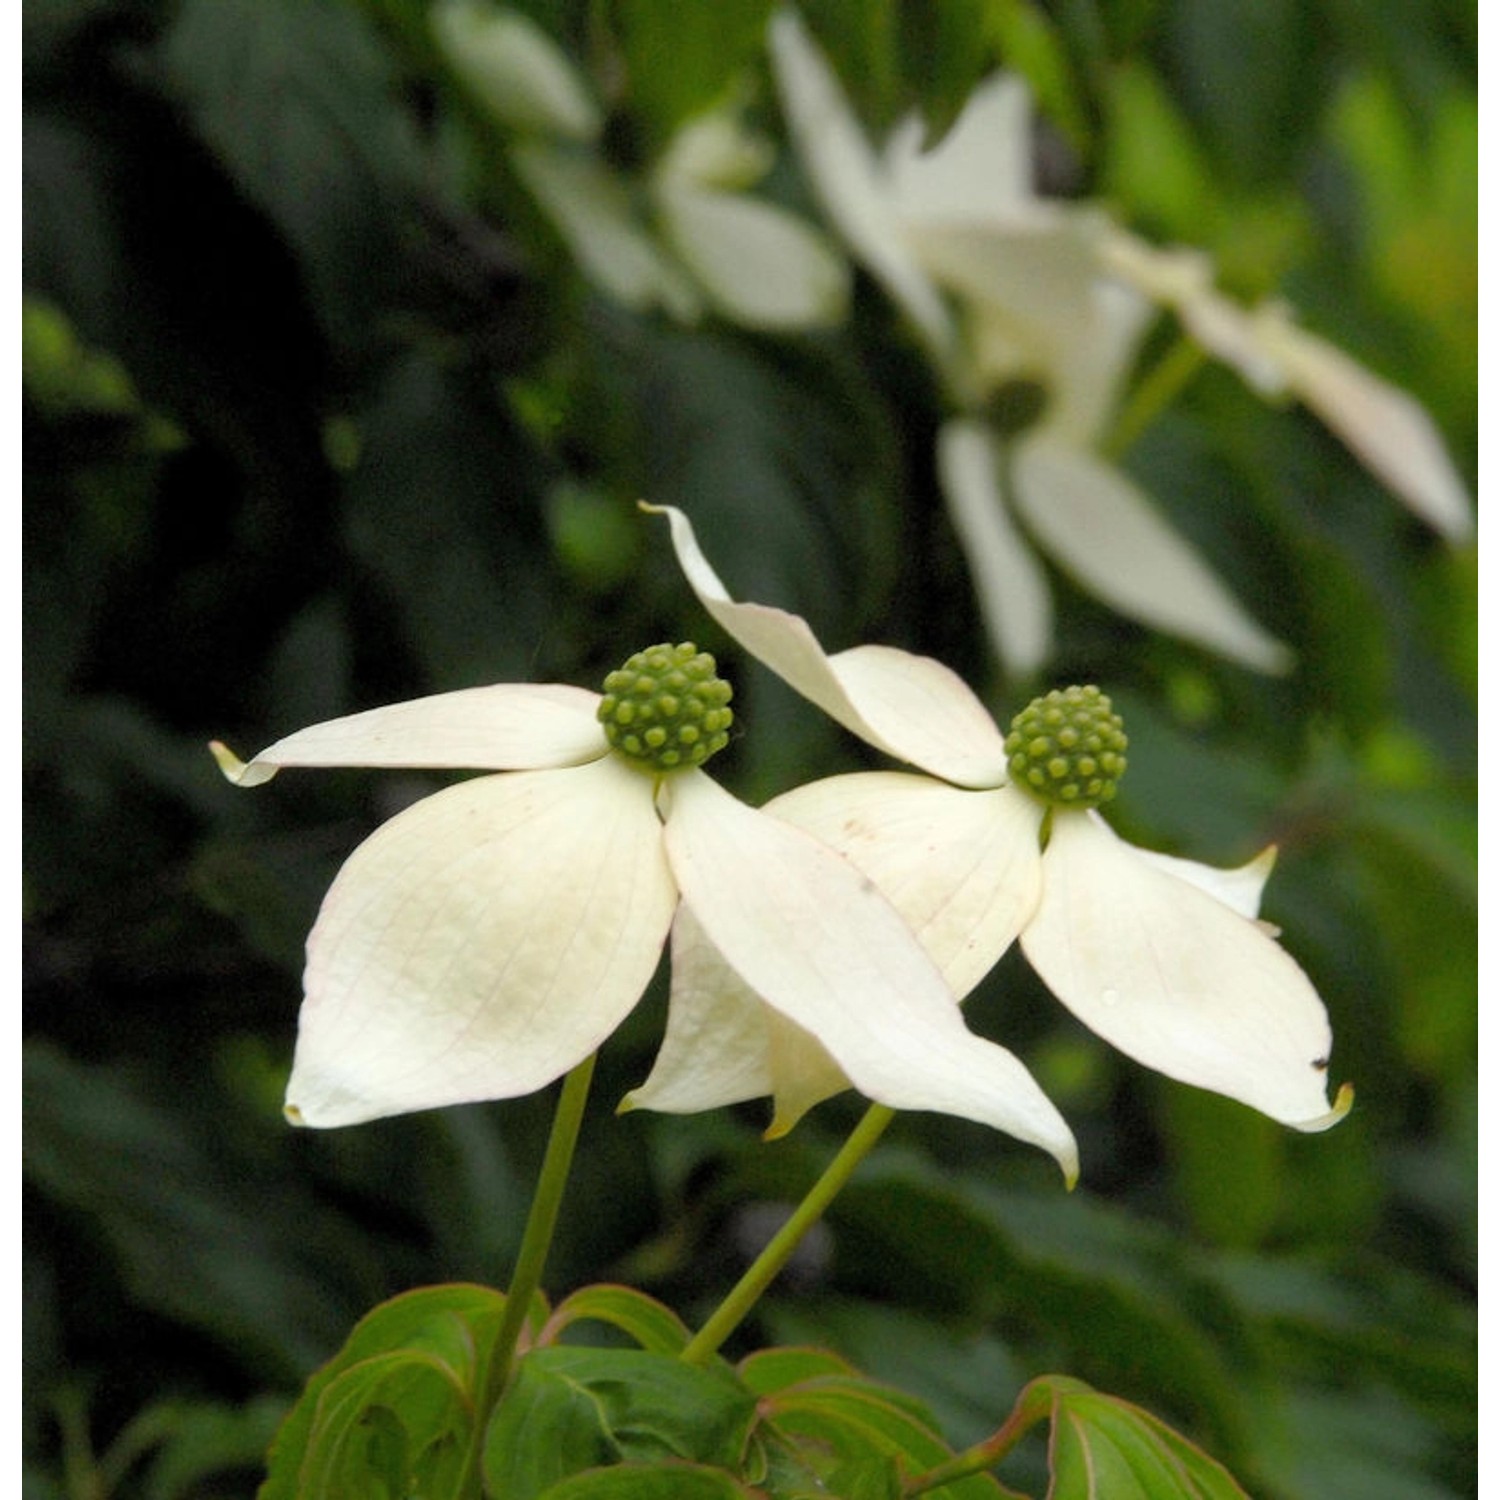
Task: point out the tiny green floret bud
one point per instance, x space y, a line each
1068 748
667 709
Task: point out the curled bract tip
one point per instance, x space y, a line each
236 770
1343 1102
293 1114
226 760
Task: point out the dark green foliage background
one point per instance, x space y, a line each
319 416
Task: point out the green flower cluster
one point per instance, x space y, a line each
1068 748
667 709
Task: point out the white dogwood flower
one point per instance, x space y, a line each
1162 957
1034 342
703 242
486 940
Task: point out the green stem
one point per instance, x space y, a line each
767 1265
531 1260
1034 1403
1161 387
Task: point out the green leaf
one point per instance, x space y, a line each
862 1436
183 1245
770 1370
655 1328
418 1357
1106 1449
651 1482
1154 167
708 45
571 1409
301 106
392 1426
207 1439
956 1368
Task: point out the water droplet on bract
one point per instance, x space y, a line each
1111 997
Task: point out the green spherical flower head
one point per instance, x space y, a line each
1017 405
1068 749
666 709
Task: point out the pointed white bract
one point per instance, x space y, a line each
1099 525
806 931
510 726
850 183
1162 957
515 70
482 943
493 935
912 707
1014 596
1176 979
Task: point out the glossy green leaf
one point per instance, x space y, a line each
392 1425
419 1355
570 1409
1103 1448
655 1328
770 1370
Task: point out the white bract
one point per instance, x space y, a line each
704 242
1162 957
1016 295
490 937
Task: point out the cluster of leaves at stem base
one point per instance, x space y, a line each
393 1414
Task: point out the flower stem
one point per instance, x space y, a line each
767 1265
535 1242
1161 387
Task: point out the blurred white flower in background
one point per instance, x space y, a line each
685 235
1032 311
